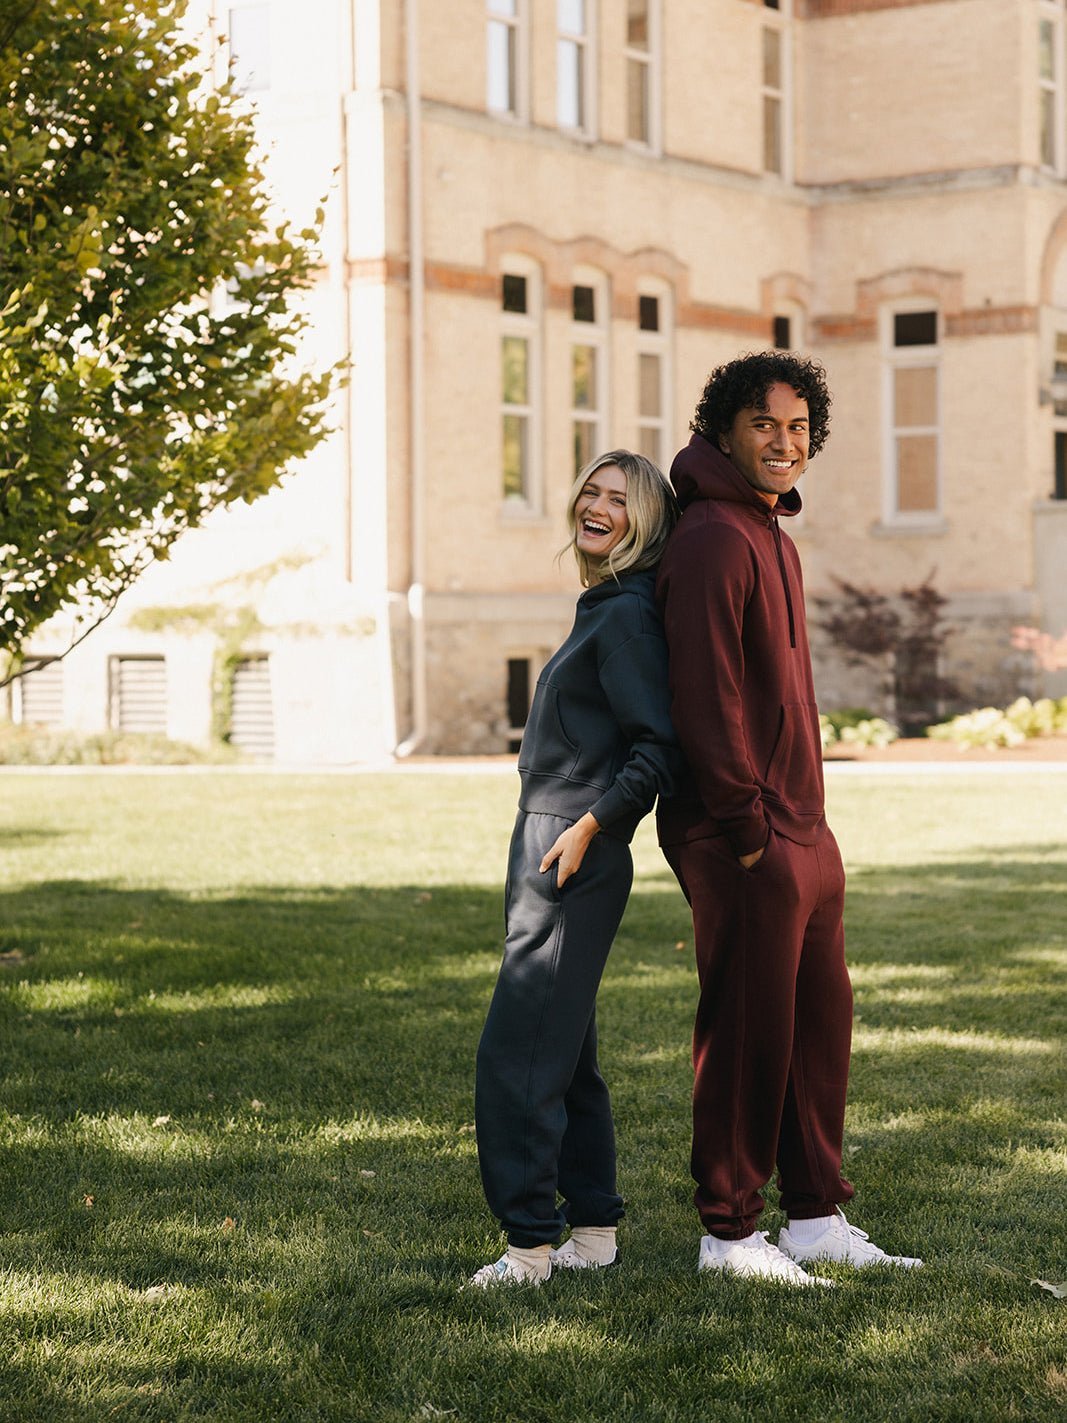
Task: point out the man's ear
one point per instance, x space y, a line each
724 444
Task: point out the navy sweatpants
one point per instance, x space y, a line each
542 1109
773 1031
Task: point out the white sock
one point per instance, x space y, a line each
534 1262
806 1232
595 1243
722 1247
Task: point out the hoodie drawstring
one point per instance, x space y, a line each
785 580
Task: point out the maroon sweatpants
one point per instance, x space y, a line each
773 1029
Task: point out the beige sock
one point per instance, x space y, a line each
595 1243
534 1263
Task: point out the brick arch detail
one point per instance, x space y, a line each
946 288
784 286
559 259
1055 252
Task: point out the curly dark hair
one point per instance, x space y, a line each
743 383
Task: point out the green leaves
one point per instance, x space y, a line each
134 397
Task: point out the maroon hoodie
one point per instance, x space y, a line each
742 699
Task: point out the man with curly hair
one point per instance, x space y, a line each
746 834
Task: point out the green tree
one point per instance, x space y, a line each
133 402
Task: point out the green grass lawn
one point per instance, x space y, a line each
238 1176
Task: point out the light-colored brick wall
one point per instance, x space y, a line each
920 88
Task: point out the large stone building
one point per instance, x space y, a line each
548 220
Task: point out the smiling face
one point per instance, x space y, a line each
600 518
770 447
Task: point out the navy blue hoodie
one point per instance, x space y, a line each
599 736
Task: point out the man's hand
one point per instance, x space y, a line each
570 849
747 861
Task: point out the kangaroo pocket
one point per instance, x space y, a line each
546 748
794 772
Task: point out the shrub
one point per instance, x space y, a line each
855 726
1023 721
37 746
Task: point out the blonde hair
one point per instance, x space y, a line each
650 508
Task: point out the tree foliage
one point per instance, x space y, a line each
136 394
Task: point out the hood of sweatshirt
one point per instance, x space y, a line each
642 585
700 471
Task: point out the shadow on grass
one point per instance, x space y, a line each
268 1100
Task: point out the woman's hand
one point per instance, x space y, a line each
570 849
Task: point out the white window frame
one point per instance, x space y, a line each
528 327
585 43
780 21
17 701
519 25
661 344
896 358
1051 12
652 60
595 335
228 10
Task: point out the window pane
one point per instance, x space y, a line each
650 443
515 353
518 691
504 7
42 694
637 101
249 31
570 99
1059 488
772 59
570 16
1046 50
916 473
915 396
637 24
514 293
649 385
515 456
648 313
772 134
584 443
500 86
583 301
782 333
915 328
584 373
1048 128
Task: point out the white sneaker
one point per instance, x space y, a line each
505 1271
567 1257
758 1258
843 1244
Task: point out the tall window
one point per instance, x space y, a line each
776 79
642 59
913 401
1050 62
574 65
249 31
653 373
39 694
138 694
504 57
520 681
588 373
1059 415
519 383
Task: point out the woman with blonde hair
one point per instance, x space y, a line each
597 749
